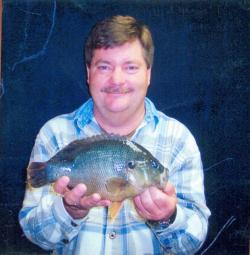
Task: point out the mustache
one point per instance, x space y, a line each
116 90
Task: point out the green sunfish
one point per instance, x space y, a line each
110 165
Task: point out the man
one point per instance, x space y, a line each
119 56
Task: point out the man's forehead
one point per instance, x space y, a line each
128 52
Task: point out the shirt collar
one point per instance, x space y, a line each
151 112
85 114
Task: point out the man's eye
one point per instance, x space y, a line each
103 68
132 68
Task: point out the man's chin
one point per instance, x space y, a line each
118 109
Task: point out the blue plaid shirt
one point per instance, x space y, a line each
46 223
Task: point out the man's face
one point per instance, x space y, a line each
118 79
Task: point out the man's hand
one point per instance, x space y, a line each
75 201
155 204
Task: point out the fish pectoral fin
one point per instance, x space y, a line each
116 185
114 210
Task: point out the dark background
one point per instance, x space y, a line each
200 77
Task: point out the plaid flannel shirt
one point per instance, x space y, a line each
46 223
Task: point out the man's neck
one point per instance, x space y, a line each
120 124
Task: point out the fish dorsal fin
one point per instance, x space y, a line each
99 137
106 136
76 146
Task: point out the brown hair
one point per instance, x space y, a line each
116 31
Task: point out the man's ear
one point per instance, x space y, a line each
87 71
149 75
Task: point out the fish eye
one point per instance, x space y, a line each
155 164
131 164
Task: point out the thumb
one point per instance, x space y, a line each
170 189
61 184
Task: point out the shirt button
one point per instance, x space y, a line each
65 241
112 235
73 224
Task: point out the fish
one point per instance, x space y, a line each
111 165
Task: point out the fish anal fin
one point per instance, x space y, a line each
114 210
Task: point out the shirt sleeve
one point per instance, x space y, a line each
189 229
43 217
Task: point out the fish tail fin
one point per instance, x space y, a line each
114 210
37 176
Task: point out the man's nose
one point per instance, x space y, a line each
118 76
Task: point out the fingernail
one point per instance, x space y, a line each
66 179
96 197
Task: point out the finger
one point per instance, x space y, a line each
138 200
140 208
152 200
169 189
60 185
104 202
159 199
74 196
93 200
138 205
152 203
144 201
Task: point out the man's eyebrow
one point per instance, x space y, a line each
132 62
127 62
100 61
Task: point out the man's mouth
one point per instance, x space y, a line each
116 90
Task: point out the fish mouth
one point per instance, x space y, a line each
116 90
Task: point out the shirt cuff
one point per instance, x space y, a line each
68 225
162 226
